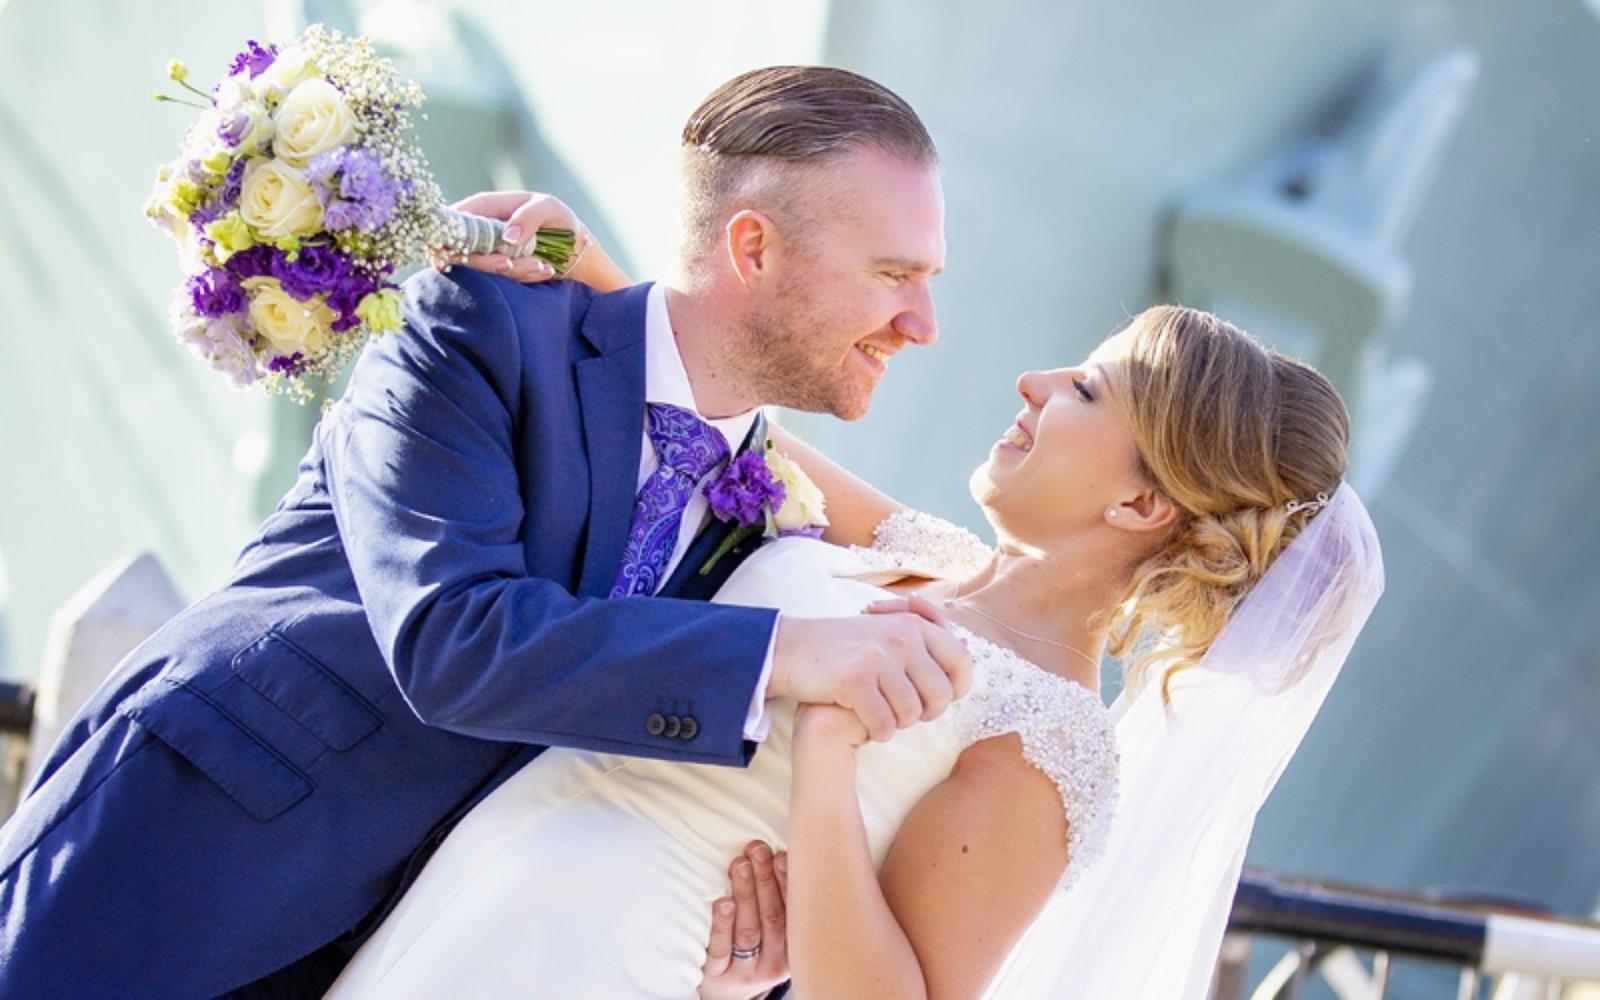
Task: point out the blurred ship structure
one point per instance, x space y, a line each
1403 192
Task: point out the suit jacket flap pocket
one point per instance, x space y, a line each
259 780
306 691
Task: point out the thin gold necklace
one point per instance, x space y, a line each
950 604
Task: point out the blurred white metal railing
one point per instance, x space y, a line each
1515 952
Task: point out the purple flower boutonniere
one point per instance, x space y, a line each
764 490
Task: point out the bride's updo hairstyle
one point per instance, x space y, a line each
1231 432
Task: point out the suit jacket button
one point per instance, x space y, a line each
690 729
674 726
655 725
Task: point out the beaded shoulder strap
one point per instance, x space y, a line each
1066 733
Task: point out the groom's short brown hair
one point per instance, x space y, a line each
780 118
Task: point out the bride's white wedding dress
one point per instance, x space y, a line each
592 875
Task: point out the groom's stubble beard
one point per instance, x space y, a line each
788 360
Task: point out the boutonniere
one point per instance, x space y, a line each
764 490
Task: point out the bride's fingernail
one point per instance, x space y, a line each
782 864
725 907
743 868
512 234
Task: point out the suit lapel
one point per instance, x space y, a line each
687 582
611 397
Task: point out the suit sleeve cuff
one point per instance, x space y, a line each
759 720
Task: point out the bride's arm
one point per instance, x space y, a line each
527 212
854 506
971 867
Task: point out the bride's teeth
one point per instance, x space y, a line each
1017 439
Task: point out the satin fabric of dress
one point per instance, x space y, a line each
592 875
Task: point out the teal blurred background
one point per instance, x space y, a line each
1405 191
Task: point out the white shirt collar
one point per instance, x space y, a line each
667 381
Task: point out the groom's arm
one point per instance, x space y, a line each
426 489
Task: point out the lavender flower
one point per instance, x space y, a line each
355 190
254 58
315 268
744 490
214 292
219 342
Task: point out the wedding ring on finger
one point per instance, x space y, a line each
744 955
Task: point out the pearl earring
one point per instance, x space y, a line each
1112 512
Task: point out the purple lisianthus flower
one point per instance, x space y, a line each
351 288
315 268
215 292
355 191
254 58
232 129
252 262
744 489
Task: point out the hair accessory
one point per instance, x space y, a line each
1312 505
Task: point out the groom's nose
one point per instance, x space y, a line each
917 322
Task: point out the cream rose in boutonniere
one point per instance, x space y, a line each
803 504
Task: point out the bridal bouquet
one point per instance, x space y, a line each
295 198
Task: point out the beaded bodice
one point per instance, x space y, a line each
1065 730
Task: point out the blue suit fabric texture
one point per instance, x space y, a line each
423 612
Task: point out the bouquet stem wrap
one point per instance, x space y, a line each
474 234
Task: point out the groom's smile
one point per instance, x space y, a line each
876 356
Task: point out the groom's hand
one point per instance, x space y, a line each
890 669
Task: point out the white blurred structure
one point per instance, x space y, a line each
90 634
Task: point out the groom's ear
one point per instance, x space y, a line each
750 238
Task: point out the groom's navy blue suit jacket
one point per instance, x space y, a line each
425 608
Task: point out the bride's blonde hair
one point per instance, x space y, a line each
1231 432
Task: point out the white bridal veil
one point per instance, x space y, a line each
1146 922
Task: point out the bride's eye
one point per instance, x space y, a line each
1083 390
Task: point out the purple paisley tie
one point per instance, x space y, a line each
688 449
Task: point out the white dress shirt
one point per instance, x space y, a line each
667 381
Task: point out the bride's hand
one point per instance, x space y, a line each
829 724
525 213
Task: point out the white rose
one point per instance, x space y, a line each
313 119
288 324
277 201
803 503
291 68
